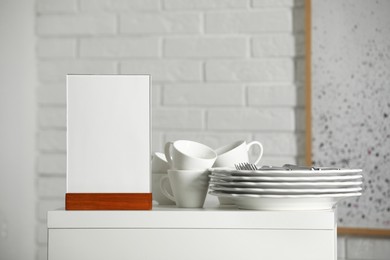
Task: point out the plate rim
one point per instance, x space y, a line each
290 178
283 191
340 172
287 184
281 196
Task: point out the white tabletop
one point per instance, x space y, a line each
209 217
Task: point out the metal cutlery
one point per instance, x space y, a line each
253 167
286 167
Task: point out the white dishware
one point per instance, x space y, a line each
225 201
159 163
286 202
156 189
237 152
189 155
315 178
288 185
284 191
189 187
291 173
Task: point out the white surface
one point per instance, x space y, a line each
190 244
176 234
172 217
108 133
18 130
285 202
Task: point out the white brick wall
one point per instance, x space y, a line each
205 4
222 70
56 48
56 6
119 47
205 47
251 70
52 117
160 23
274 45
76 24
203 94
119 5
163 70
253 119
53 71
246 22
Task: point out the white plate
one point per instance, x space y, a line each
216 176
285 173
287 185
286 202
283 191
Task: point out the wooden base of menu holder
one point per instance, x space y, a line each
108 201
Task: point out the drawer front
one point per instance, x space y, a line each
190 244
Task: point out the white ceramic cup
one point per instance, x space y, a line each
189 155
236 152
189 187
159 163
156 190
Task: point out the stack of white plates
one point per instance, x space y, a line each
285 189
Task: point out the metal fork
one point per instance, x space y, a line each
246 166
287 167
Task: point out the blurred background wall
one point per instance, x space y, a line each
350 108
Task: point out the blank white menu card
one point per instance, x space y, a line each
108 134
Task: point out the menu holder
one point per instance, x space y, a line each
108 142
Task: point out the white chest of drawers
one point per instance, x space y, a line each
191 234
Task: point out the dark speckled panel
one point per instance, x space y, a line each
351 100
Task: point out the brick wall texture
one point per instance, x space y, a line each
222 70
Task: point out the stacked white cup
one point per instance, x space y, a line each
188 162
237 152
159 169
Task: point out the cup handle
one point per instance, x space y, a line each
163 180
248 146
167 151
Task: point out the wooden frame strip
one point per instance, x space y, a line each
371 232
308 105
